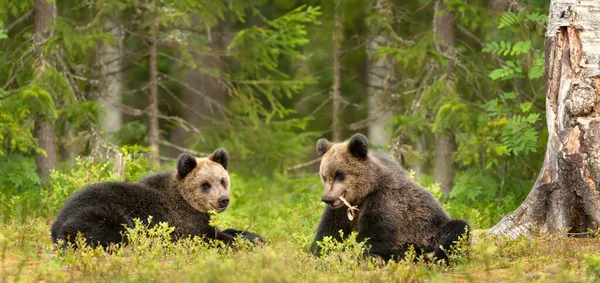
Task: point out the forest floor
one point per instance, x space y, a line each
27 255
286 214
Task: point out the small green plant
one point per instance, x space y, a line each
593 267
459 253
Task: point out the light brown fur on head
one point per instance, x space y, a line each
344 173
204 183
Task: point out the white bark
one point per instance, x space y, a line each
111 78
566 196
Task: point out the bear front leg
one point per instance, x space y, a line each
451 233
381 239
215 234
332 221
252 237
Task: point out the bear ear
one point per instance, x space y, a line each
323 146
185 164
358 146
220 156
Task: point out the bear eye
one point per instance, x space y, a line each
339 176
223 182
205 186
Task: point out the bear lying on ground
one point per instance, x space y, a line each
181 198
394 211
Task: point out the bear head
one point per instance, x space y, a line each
344 170
204 182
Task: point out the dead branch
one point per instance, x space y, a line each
302 165
183 149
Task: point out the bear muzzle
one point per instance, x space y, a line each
223 203
333 202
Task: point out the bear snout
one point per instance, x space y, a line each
333 202
223 202
327 199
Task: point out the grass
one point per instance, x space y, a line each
286 212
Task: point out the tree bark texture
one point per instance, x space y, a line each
336 89
497 6
566 195
381 78
205 91
111 78
443 28
153 130
45 13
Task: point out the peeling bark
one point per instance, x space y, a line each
565 197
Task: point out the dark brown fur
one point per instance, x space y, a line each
181 198
395 212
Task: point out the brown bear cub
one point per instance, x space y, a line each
181 198
393 212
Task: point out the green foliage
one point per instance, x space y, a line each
593 265
131 133
511 19
509 71
506 48
22 198
536 70
18 173
519 135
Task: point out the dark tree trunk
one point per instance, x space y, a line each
444 172
45 13
153 130
566 195
336 89
443 27
44 132
204 95
499 5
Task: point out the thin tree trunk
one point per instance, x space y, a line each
566 194
444 172
45 13
443 28
153 134
381 77
111 86
205 90
499 5
336 93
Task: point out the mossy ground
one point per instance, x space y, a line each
288 221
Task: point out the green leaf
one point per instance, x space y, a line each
509 95
525 107
537 68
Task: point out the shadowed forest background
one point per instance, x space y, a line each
105 90
453 91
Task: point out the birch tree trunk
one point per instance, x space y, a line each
443 28
111 85
45 13
336 89
566 195
381 77
153 134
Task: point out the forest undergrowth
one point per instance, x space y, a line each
286 211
